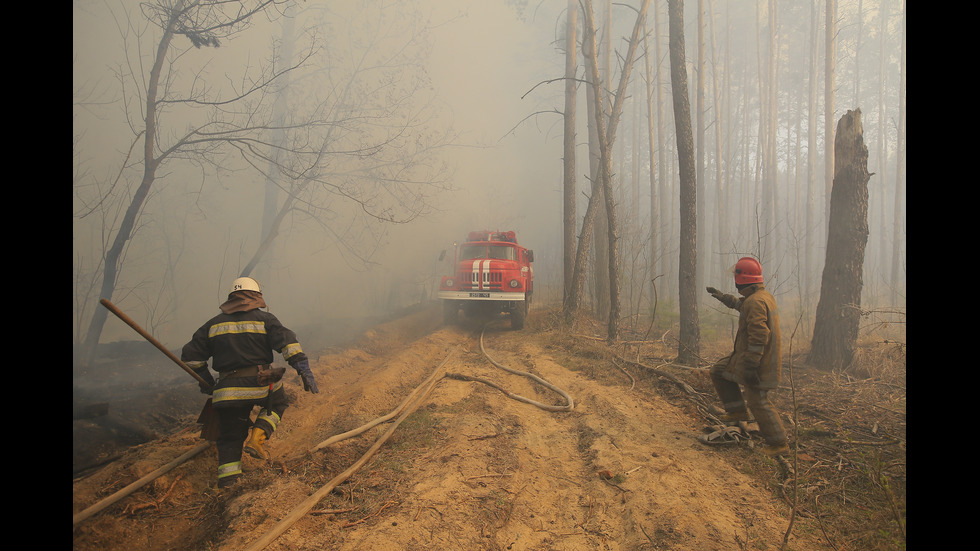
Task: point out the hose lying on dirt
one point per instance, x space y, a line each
371 424
85 514
406 408
569 403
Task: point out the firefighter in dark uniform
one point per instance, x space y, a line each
240 341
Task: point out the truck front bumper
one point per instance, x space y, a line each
480 295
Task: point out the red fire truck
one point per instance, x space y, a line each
493 275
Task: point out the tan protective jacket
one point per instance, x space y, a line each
757 340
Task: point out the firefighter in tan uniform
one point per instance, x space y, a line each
755 364
241 341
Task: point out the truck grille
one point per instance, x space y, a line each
471 278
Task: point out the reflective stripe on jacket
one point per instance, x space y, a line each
256 394
241 339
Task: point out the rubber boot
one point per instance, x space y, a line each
253 446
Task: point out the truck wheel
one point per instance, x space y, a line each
450 312
517 316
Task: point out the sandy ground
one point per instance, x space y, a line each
471 469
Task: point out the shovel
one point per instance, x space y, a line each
208 418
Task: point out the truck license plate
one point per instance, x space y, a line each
479 295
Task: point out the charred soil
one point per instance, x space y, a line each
475 469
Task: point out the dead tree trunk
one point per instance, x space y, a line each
606 137
151 162
835 331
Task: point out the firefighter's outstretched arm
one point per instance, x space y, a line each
728 300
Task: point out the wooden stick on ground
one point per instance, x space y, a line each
85 514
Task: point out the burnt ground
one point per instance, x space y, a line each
134 394
474 469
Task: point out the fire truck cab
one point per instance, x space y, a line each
493 275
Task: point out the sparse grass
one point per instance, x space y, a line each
373 487
496 507
391 461
586 437
417 431
852 438
851 426
880 359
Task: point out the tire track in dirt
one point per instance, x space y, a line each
473 469
506 475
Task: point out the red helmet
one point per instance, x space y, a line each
748 271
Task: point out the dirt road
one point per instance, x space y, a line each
471 469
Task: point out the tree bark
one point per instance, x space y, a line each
600 273
573 299
809 260
897 282
770 184
699 90
568 163
722 125
606 137
652 79
664 199
830 68
690 336
883 141
835 331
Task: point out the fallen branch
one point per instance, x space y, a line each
332 511
487 437
870 442
614 485
426 507
85 514
133 509
489 476
627 373
661 373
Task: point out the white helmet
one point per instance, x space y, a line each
245 284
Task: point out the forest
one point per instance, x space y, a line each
334 150
338 152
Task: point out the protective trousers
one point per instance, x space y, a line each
735 400
234 421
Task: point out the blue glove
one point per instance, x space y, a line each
302 367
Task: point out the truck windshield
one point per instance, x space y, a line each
499 252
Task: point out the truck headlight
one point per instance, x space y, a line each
448 283
514 284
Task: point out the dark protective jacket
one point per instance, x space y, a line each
240 340
757 343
